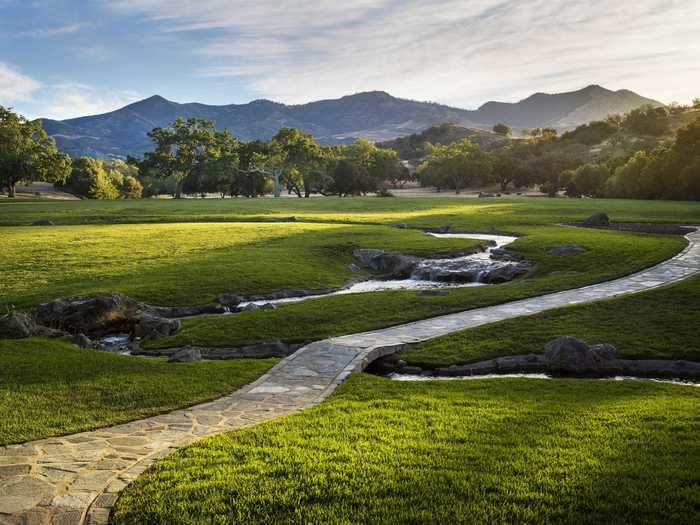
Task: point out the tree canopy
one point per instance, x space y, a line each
27 154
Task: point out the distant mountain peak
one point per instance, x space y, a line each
374 115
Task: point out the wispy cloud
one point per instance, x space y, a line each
72 99
50 32
455 51
15 86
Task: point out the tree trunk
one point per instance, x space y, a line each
12 189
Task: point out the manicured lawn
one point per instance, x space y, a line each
50 388
417 212
609 254
189 263
481 451
660 324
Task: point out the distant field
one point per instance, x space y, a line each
479 214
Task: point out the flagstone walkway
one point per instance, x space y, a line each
76 479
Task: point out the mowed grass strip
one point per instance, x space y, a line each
186 264
608 255
479 451
50 388
417 212
659 324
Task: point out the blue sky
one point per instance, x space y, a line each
66 58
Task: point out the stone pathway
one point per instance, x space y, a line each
76 479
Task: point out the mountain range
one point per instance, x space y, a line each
373 115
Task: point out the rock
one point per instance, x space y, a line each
566 249
597 219
399 266
44 222
502 254
411 370
185 355
16 326
443 229
152 327
268 306
401 225
229 300
82 341
250 307
486 195
89 315
503 274
570 355
433 293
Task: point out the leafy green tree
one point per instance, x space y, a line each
503 129
647 120
457 166
27 154
508 169
131 188
696 103
299 155
180 150
588 180
89 179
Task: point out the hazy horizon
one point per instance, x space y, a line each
96 56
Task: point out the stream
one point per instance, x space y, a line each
421 278
417 377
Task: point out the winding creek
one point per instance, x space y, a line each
421 277
419 377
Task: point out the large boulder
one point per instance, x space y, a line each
149 326
569 355
395 265
16 326
92 316
597 219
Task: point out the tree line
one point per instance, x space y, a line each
192 157
633 159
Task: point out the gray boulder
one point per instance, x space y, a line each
597 219
395 265
502 254
486 195
229 300
186 355
570 355
44 222
16 326
503 274
89 315
401 225
250 307
152 327
82 341
566 249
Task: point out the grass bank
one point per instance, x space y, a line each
50 388
190 263
608 255
659 324
485 451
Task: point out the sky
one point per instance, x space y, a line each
68 58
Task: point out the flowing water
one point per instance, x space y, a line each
421 278
416 377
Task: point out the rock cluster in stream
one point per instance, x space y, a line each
501 266
566 356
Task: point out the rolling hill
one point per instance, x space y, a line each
374 115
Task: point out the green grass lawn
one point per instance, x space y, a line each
417 212
659 324
478 451
50 388
189 263
610 254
